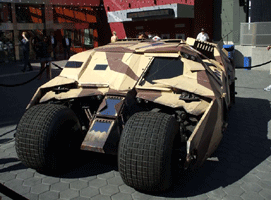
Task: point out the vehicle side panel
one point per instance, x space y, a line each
206 135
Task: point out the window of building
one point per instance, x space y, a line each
29 13
6 46
88 38
68 32
80 37
77 38
5 12
165 36
180 36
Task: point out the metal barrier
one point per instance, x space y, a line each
255 34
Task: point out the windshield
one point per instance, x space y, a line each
163 68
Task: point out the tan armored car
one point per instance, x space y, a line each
154 104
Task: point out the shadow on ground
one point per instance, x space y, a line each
92 164
13 165
245 145
15 99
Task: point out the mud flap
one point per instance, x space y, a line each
97 135
104 134
206 136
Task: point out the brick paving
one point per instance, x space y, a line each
239 169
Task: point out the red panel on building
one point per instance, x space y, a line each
76 2
119 28
168 27
203 17
37 14
116 5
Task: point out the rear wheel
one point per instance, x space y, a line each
145 151
48 137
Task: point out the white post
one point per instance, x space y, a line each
249 14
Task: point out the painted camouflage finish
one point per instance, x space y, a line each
119 67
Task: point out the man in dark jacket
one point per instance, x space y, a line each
26 49
36 44
45 60
54 44
66 42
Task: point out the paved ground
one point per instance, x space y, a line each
239 169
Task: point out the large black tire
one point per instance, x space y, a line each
48 137
145 151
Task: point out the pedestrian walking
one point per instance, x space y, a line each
114 37
54 44
66 42
45 52
26 50
203 36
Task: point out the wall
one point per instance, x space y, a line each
203 17
260 11
78 17
228 14
115 5
258 56
165 26
240 53
239 16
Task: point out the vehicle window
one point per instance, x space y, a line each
164 68
73 64
100 67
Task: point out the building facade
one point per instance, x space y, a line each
83 21
90 23
168 18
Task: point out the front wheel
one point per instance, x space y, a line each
145 151
48 137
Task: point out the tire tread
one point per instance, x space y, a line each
143 150
32 134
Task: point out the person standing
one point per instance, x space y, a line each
141 35
156 37
54 44
66 42
203 36
45 52
114 37
35 44
26 50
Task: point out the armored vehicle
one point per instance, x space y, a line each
153 104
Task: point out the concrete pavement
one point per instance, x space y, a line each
239 169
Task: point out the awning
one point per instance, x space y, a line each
154 12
